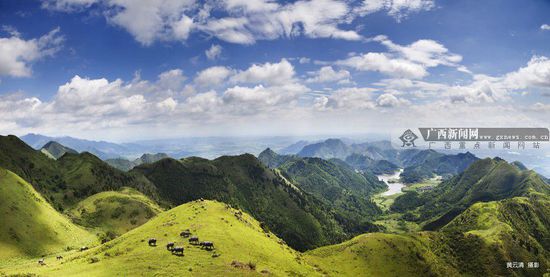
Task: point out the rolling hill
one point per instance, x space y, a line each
484 180
242 248
30 227
243 181
69 179
114 212
477 243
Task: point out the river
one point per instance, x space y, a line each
393 188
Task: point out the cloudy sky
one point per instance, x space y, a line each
127 70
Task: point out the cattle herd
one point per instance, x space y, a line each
178 250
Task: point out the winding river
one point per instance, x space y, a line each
393 188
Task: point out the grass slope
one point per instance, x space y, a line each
485 180
69 179
114 212
30 226
300 219
244 249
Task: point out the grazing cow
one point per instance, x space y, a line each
83 248
170 246
59 257
194 240
152 242
207 245
178 250
41 262
186 233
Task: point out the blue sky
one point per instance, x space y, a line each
114 69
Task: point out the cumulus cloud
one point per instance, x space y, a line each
545 27
213 76
213 52
388 100
328 74
535 74
268 73
17 54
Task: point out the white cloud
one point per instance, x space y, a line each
385 64
388 100
235 21
347 99
426 52
171 79
213 76
17 54
168 104
268 73
214 52
396 8
328 74
545 27
535 74
251 100
409 61
67 5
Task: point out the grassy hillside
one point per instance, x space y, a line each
114 212
485 180
69 179
242 248
30 227
243 181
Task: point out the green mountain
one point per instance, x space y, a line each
273 160
427 163
30 227
338 186
478 242
328 149
56 150
243 181
484 180
69 179
114 213
365 163
127 165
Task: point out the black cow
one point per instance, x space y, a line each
194 240
186 233
178 250
59 257
83 248
152 242
207 245
170 246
